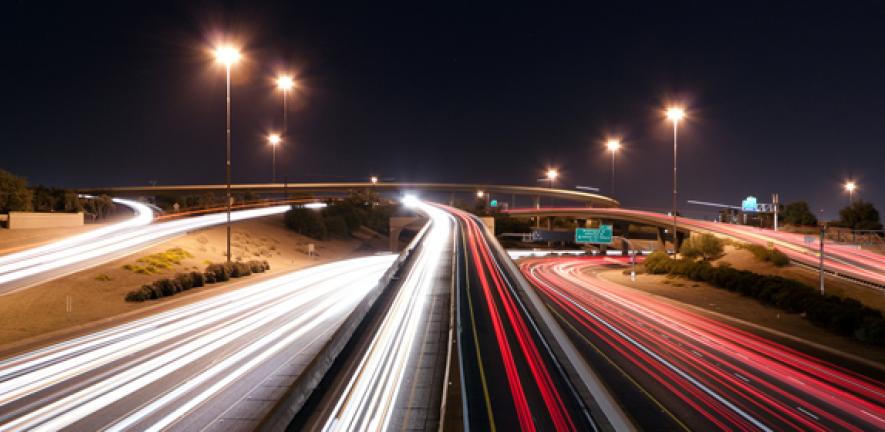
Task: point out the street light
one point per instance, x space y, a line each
227 55
850 186
675 114
480 194
613 146
374 180
551 175
274 140
285 84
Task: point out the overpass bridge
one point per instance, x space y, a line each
857 265
586 198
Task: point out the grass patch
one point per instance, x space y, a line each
765 254
103 278
159 262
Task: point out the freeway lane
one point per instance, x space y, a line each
842 259
510 378
702 373
376 389
34 266
191 367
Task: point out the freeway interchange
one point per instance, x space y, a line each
449 334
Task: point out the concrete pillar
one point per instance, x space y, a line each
395 227
662 240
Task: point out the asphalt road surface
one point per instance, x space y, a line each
190 368
675 369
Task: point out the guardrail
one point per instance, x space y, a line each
295 397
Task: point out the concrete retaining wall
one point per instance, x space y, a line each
282 414
25 220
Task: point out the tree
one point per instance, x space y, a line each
860 215
798 213
14 193
706 246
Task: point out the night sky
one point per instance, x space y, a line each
787 98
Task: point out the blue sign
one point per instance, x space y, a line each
749 204
493 203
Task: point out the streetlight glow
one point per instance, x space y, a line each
285 83
274 139
480 194
374 180
850 186
675 114
552 174
613 145
227 55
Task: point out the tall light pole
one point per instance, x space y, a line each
675 114
613 146
227 56
552 173
850 186
285 84
274 140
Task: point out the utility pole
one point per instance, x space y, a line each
775 203
823 231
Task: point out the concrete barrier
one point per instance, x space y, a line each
27 220
285 410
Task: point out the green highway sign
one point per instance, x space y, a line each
603 234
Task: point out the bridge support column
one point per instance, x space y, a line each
662 239
395 228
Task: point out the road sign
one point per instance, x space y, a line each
603 234
749 204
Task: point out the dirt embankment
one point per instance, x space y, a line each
720 301
31 316
744 260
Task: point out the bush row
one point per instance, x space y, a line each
763 253
184 281
845 316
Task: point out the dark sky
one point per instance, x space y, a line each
786 98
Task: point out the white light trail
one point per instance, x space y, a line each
120 361
115 243
369 398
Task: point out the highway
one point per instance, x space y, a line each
845 260
511 379
41 264
375 389
218 364
676 369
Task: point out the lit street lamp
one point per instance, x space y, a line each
285 84
227 56
551 175
274 140
850 186
675 114
374 180
613 146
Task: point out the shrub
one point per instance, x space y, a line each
308 222
657 263
336 226
185 280
705 246
197 279
257 266
221 271
209 277
240 269
763 253
778 258
844 316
